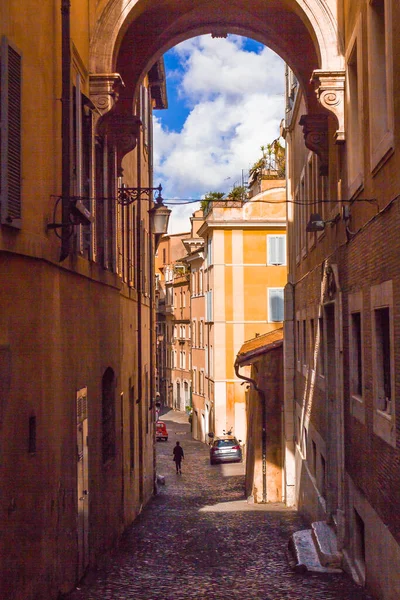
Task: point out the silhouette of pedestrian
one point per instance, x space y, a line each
178 456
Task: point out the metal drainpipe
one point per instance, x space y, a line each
264 430
152 328
139 267
65 127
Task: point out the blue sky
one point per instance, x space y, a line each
225 99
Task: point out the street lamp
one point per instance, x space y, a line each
159 213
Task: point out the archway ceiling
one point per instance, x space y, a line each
151 28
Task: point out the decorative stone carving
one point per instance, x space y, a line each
315 130
330 93
104 90
331 287
122 131
219 32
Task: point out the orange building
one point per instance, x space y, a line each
244 279
76 296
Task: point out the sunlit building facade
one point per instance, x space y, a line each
76 295
341 333
244 279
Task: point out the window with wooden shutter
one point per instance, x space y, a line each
276 250
10 130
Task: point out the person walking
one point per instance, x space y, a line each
178 456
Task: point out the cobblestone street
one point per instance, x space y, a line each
199 539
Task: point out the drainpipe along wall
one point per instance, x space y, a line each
139 267
264 429
65 127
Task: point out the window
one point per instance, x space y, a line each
144 113
359 538
201 381
380 58
312 344
194 332
356 354
275 305
276 249
322 480
314 458
383 361
132 424
201 281
10 134
209 252
304 339
321 347
108 416
194 380
201 332
182 364
354 113
194 287
209 306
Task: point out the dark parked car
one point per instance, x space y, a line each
225 449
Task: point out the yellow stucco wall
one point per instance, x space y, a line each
239 278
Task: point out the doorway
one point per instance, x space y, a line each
332 409
82 481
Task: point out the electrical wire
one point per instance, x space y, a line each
181 201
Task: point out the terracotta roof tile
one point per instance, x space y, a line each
260 344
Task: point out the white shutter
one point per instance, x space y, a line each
10 130
275 305
281 249
276 249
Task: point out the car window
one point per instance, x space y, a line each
225 443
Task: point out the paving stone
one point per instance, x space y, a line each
199 539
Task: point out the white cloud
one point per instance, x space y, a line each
236 101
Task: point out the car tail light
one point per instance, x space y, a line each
235 447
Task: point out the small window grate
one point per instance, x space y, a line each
32 435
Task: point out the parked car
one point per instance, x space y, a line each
161 431
225 449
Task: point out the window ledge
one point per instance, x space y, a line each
384 427
358 408
384 414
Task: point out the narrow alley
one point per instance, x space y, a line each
198 538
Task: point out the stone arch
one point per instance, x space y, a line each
133 27
131 35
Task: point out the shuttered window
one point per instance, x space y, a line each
276 250
275 305
10 131
209 306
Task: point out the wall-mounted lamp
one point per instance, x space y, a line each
78 215
159 213
316 223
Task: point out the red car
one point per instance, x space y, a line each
161 431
